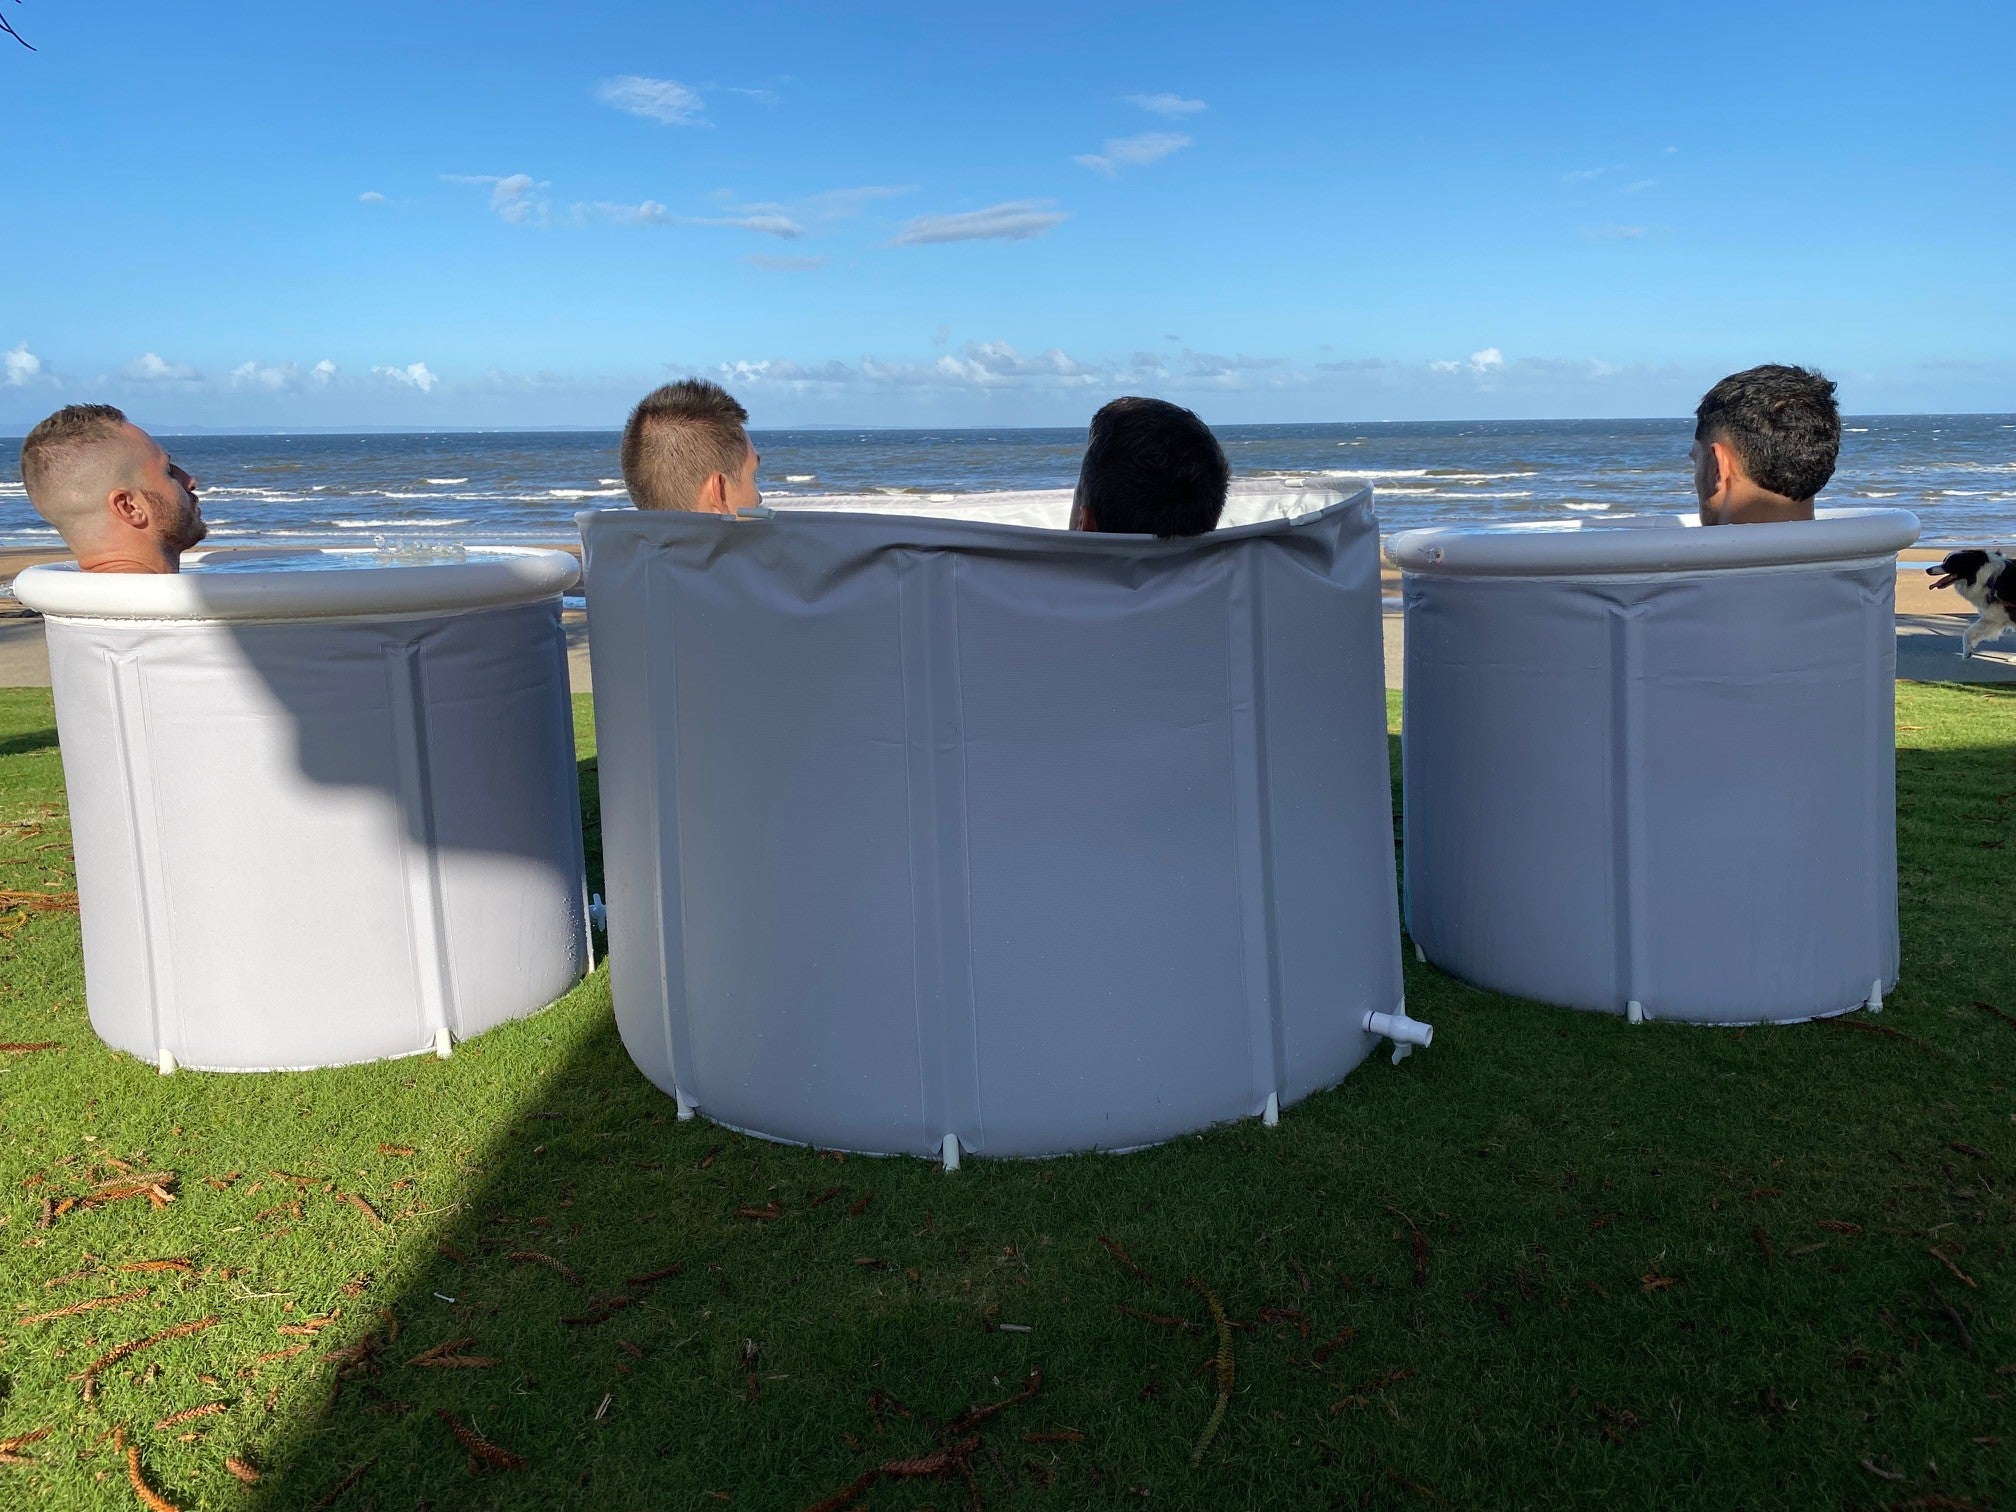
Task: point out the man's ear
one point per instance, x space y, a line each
130 508
1728 466
714 494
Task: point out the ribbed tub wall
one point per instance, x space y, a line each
314 843
1673 792
910 799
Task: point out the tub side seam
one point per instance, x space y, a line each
143 814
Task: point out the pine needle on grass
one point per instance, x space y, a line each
1225 1369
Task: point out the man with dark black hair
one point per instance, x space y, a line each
1151 468
1765 441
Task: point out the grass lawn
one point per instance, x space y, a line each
1555 1259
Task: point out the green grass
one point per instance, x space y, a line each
1570 1260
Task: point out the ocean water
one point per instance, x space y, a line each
1958 472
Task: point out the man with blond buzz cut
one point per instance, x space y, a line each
117 499
685 447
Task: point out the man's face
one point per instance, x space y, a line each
171 491
742 490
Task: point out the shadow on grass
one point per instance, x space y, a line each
1552 1257
26 741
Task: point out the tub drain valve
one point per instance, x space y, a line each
1405 1032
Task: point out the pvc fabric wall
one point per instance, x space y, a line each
316 842
1668 791
1043 841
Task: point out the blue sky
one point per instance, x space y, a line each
508 214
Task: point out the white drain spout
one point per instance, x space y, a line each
1406 1033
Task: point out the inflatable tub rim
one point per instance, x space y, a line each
1571 548
1323 502
493 577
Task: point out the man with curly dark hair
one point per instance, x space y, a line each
1765 442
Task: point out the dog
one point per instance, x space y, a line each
1987 581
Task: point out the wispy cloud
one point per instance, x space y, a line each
414 375
22 365
1012 220
666 101
370 197
784 264
151 367
1638 186
1481 363
1615 233
788 221
323 373
1132 152
264 377
518 198
1172 106
1586 175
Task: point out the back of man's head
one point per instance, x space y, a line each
1783 424
69 460
677 438
1151 468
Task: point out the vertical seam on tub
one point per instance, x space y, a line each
142 821
963 1074
928 629
1879 699
1627 655
678 1039
570 781
1252 854
419 855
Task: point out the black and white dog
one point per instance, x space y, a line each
1987 581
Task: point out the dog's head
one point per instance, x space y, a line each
1967 568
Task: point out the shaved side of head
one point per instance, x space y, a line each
71 461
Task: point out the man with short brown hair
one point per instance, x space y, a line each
685 447
117 499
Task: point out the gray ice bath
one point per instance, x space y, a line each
1650 767
931 836
320 817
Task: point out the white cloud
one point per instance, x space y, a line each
1012 220
769 223
1638 186
1132 152
518 198
323 373
23 366
666 101
1481 363
150 367
1585 175
1173 106
785 264
1614 233
413 375
650 213
269 378
371 197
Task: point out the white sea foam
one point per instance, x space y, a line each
427 524
1856 430
605 482
444 482
801 477
583 493
1581 508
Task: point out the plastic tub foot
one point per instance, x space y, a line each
1875 1003
1270 1116
685 1108
1420 954
444 1043
950 1155
1634 1012
167 1061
